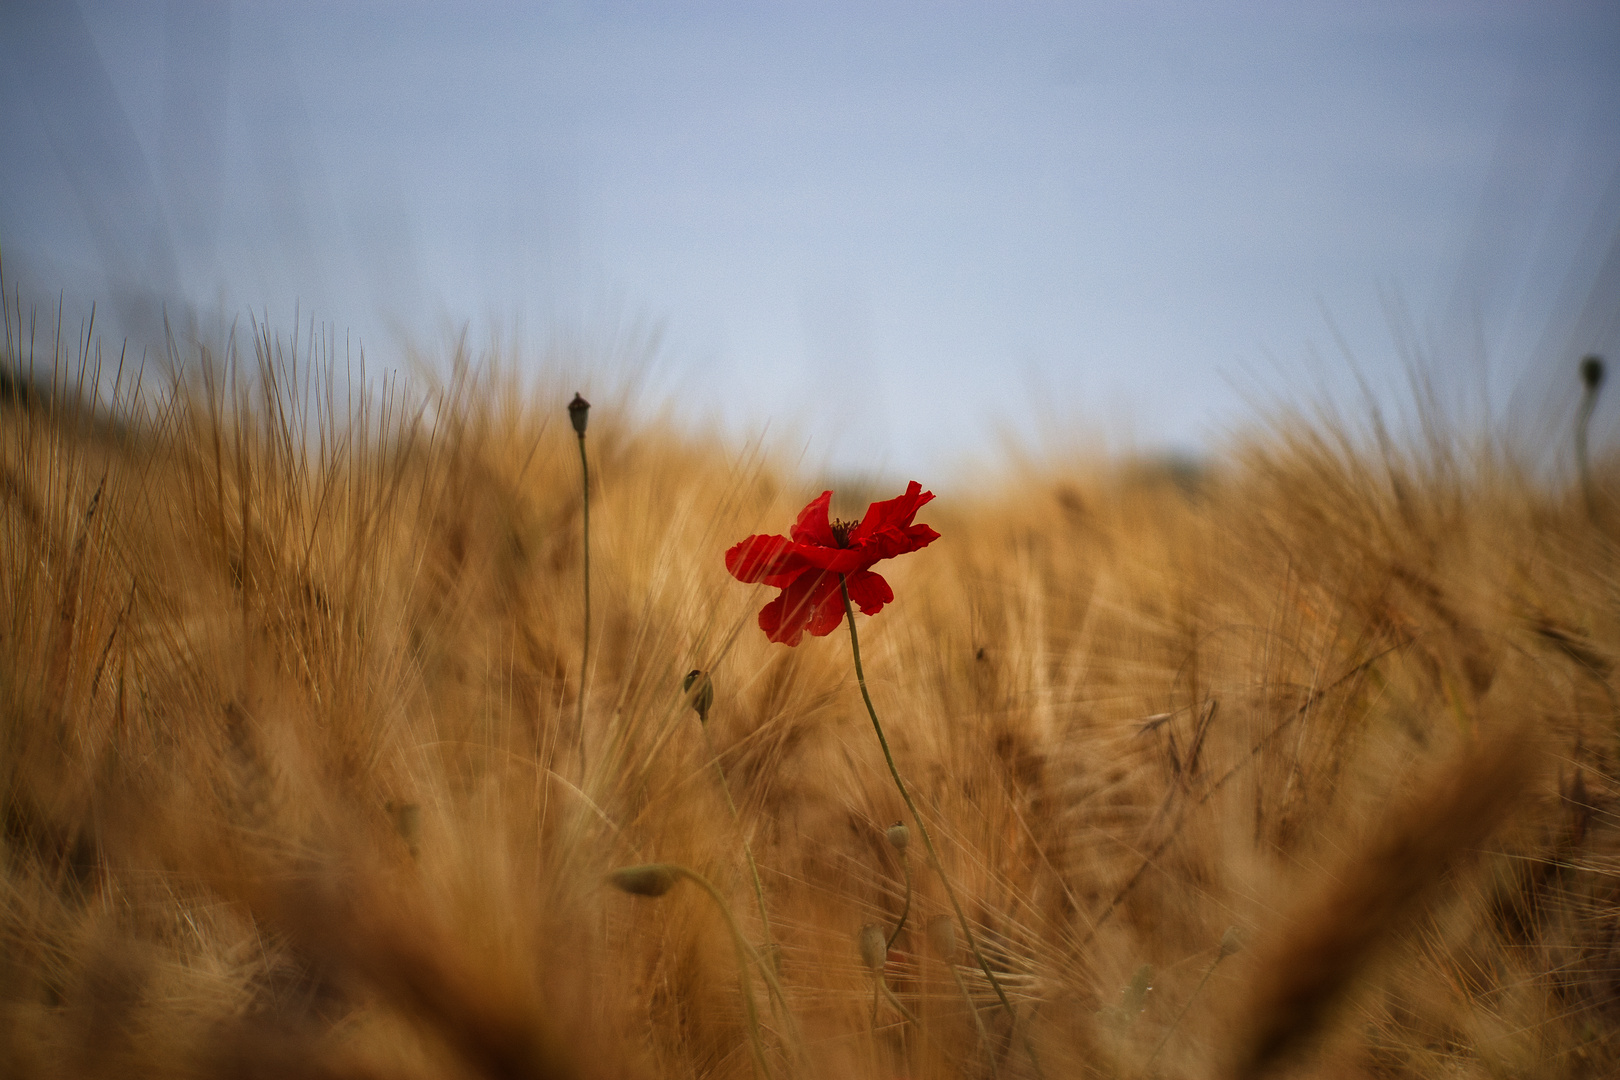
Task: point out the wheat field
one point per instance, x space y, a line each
1297 763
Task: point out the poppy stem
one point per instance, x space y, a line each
1168 1035
978 1021
748 850
585 651
905 864
1592 381
928 841
740 944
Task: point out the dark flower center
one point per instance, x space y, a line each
841 531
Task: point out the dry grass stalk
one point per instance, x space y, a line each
289 746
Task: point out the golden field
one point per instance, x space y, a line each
1300 763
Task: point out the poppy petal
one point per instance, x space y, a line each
813 527
807 565
893 513
799 607
896 541
761 558
826 607
869 591
836 560
770 621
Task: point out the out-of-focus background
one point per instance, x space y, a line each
894 233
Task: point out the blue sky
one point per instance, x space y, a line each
889 231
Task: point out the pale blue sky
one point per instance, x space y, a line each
885 229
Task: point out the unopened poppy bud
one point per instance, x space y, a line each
1592 373
1133 999
408 823
578 410
874 947
702 696
652 879
942 936
1231 941
899 836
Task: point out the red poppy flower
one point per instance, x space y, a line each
806 565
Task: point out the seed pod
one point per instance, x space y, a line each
651 879
942 936
874 947
1133 999
1592 373
703 696
408 823
1231 941
578 411
899 836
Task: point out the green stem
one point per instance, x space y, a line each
743 951
1185 1006
748 851
905 864
1583 419
928 841
978 1021
772 984
911 1018
585 652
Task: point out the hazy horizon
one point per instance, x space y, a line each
891 231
